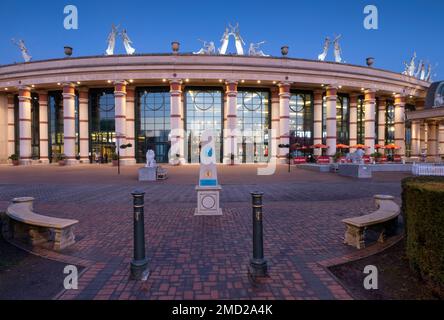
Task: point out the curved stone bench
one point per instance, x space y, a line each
385 220
24 224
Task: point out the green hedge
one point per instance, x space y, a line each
423 210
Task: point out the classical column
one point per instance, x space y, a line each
370 102
11 125
317 120
353 120
432 141
231 115
284 122
69 123
84 125
130 125
120 117
43 122
441 139
416 138
3 128
382 106
25 125
176 116
422 137
275 120
331 97
399 124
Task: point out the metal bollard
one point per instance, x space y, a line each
258 265
139 265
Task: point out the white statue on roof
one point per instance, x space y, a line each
127 43
255 51
337 49
225 40
21 44
112 40
208 48
323 55
239 41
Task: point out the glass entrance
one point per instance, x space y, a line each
102 124
153 125
203 111
253 119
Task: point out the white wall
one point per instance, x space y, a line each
3 129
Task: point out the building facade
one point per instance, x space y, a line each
87 107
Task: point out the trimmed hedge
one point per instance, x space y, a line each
423 211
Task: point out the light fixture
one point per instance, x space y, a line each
258 81
322 85
362 89
340 87
164 80
32 86
243 81
6 89
394 93
187 80
58 83
220 80
78 82
274 82
109 81
131 80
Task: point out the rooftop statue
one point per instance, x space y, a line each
323 55
225 39
127 43
239 41
429 74
112 40
21 44
411 67
337 49
208 48
254 50
422 74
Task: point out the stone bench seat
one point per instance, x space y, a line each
384 219
23 223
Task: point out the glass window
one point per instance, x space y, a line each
55 127
153 123
361 121
253 117
203 111
390 123
301 120
102 124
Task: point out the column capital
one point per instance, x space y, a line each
68 90
399 99
370 95
176 87
231 88
331 91
120 82
284 90
24 93
43 96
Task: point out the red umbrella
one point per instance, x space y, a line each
392 146
359 146
342 146
319 146
379 146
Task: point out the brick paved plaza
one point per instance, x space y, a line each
201 257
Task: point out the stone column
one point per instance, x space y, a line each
176 116
11 125
231 115
3 129
275 120
84 124
441 139
130 126
25 125
399 124
69 123
43 122
422 137
317 120
353 121
416 138
382 106
432 141
331 96
284 120
370 102
120 117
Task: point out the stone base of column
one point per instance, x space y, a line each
128 162
25 162
84 160
72 162
44 161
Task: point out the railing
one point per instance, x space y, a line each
428 169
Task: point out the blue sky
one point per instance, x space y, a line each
404 26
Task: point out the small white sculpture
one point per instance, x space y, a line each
429 74
127 43
21 44
239 41
337 49
255 51
411 67
418 71
225 40
208 48
323 55
422 74
112 40
150 159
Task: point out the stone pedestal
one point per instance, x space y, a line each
148 174
355 170
208 201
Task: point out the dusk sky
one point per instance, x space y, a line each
404 27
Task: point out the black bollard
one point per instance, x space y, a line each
258 265
139 265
